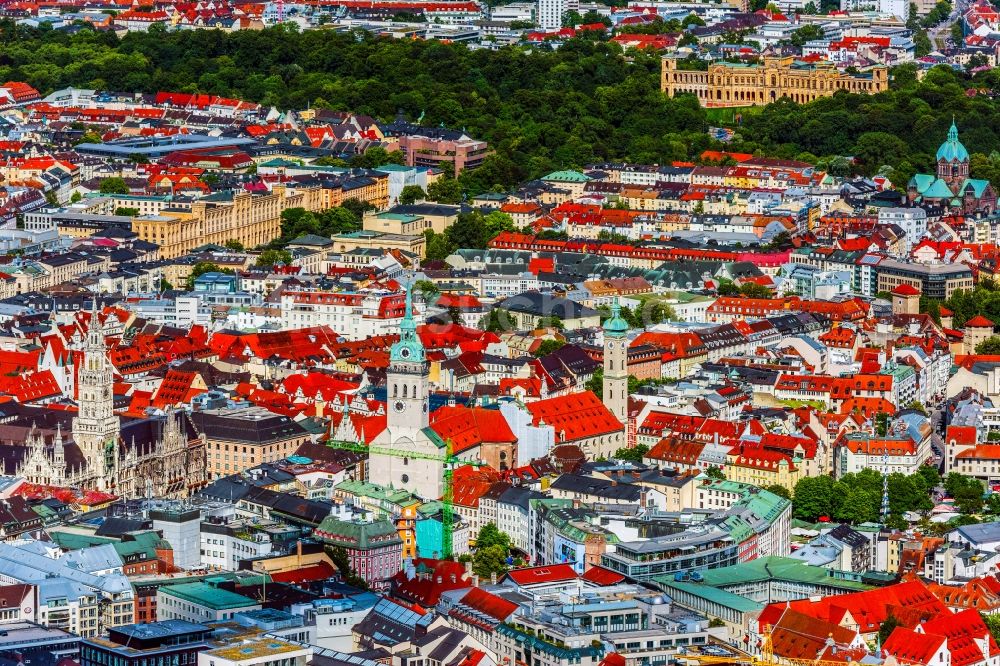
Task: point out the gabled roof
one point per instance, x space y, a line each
600 576
870 609
468 427
911 647
979 321
963 631
482 601
575 417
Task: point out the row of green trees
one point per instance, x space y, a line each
472 230
857 497
296 222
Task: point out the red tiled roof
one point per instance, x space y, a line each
488 604
601 576
28 388
870 608
963 631
800 636
544 574
962 435
575 416
979 321
432 578
981 452
176 389
468 427
906 290
676 450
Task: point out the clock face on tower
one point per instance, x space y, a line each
399 406
404 352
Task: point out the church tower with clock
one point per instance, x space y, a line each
407 420
407 376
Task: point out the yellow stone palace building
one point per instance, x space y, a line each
251 219
734 84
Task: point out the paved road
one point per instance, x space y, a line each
940 35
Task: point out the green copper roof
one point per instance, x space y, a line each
567 177
710 594
358 536
939 190
774 567
616 326
207 595
978 186
919 182
409 349
952 150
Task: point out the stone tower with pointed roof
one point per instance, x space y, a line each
616 363
407 420
157 454
96 427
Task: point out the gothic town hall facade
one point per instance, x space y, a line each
158 456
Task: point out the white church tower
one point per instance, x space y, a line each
407 377
403 454
616 363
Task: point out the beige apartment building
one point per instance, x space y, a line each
239 439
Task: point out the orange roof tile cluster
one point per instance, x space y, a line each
469 427
868 609
31 387
177 388
575 417
676 451
964 630
911 647
469 484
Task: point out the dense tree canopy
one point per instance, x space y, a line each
983 300
470 230
296 222
967 492
542 110
492 551
539 109
857 497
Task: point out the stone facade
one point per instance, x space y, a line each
153 457
250 219
727 84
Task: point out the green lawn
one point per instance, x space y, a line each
727 116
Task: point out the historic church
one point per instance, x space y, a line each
951 188
415 462
155 456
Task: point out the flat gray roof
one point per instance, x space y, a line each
159 146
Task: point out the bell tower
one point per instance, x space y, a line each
407 377
96 425
616 363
